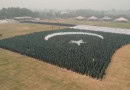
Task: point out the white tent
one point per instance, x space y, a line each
121 19
80 18
93 18
106 18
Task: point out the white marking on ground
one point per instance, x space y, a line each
79 42
102 29
71 33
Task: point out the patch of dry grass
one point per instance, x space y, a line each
11 30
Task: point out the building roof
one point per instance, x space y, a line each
121 19
92 18
7 21
26 17
80 17
106 18
62 13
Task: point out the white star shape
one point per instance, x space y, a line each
79 42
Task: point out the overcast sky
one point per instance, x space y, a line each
68 4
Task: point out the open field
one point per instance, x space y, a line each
93 23
11 30
18 72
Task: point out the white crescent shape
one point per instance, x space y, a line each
71 33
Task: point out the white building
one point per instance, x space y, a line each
106 18
37 19
62 13
80 18
93 18
24 18
4 21
121 19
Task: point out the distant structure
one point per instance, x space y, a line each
93 18
62 13
80 18
4 21
121 19
37 19
26 18
106 18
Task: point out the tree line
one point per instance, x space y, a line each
16 12
50 13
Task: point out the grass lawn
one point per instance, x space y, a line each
18 72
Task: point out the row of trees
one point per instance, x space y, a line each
18 12
85 13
